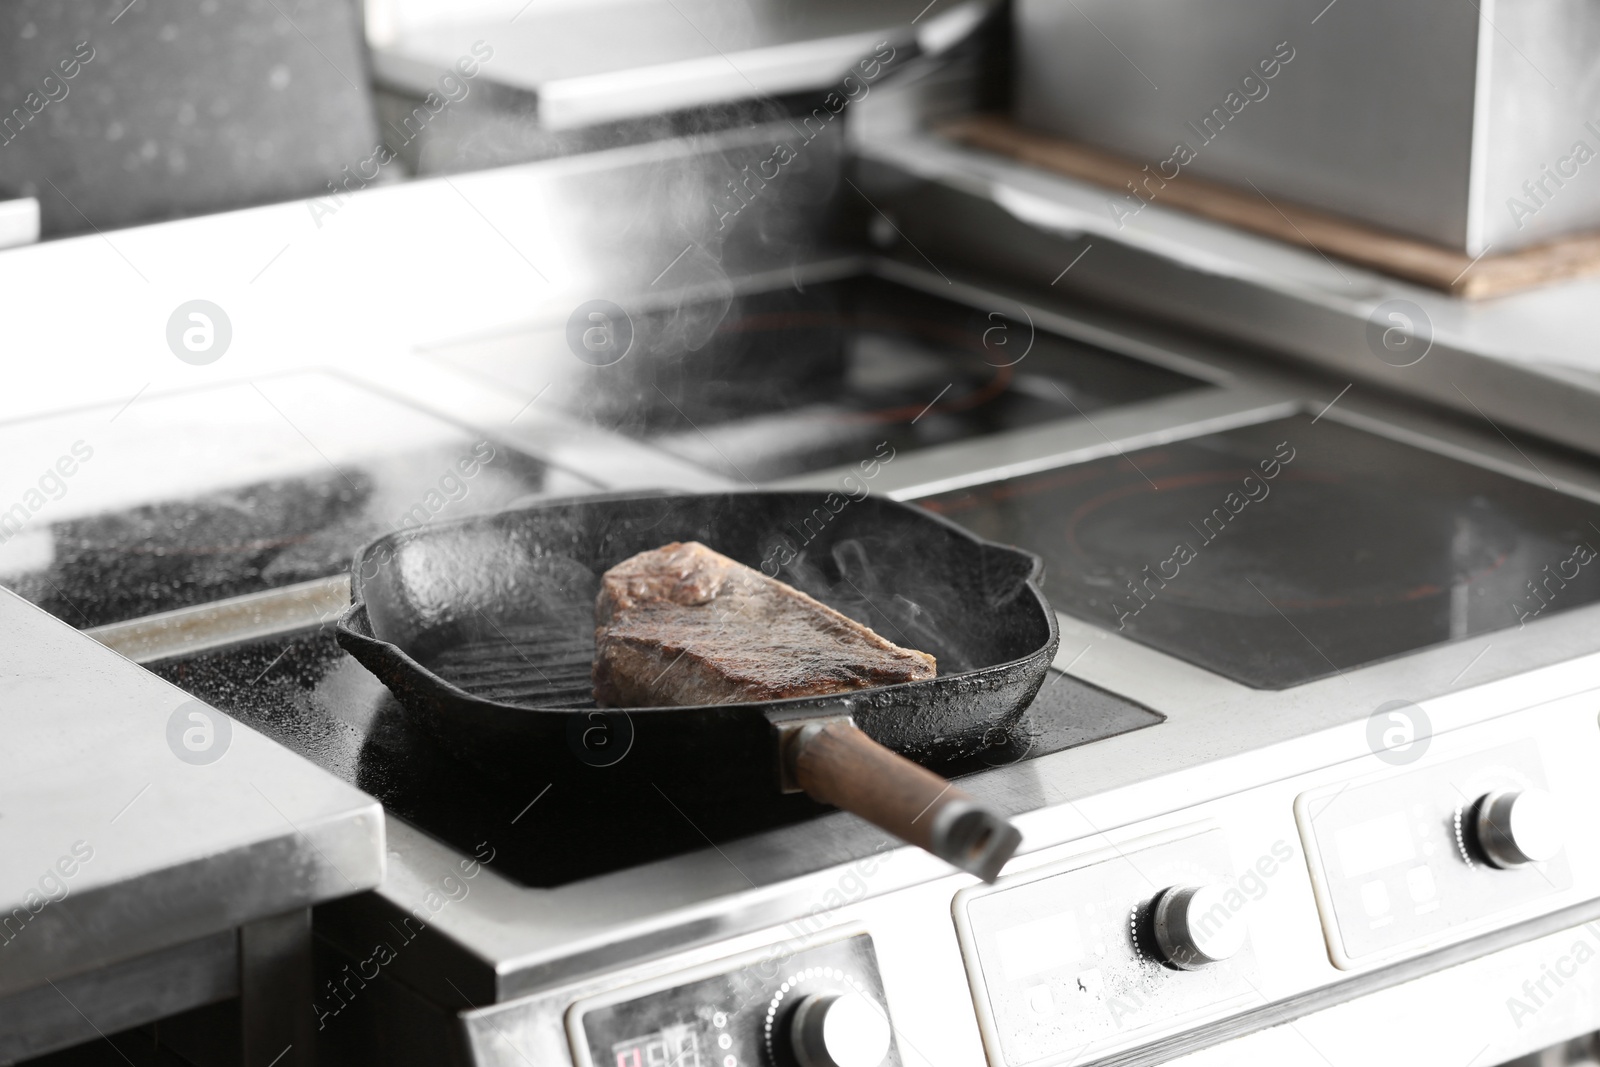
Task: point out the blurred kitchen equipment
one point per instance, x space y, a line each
165 108
604 61
651 57
1427 120
1326 234
495 82
484 629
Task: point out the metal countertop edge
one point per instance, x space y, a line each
1260 302
185 890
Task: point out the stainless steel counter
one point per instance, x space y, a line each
1526 361
153 854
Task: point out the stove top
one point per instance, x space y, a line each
281 481
1273 554
799 380
341 465
305 692
1294 549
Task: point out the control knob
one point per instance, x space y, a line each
835 1029
1517 827
1194 926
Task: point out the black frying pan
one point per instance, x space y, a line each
484 630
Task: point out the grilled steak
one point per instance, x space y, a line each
682 624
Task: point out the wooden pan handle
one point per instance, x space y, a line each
837 763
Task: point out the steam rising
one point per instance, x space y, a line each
905 611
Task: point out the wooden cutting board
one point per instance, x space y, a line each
1249 209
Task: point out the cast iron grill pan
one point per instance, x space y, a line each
543 661
483 629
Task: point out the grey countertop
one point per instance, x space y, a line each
119 836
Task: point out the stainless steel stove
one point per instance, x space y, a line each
1311 780
1325 696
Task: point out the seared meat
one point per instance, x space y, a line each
682 624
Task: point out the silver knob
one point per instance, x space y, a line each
839 1030
1195 927
1519 827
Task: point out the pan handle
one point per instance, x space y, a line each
835 762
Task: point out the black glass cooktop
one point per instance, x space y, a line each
190 498
193 497
767 385
1283 552
305 692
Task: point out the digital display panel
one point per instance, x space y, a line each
733 1013
671 1046
1057 974
1031 947
1375 844
1387 861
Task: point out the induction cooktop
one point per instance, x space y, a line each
197 496
283 480
1294 549
780 382
577 819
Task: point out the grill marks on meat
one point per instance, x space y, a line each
682 625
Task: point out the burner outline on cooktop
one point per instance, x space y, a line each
1367 547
